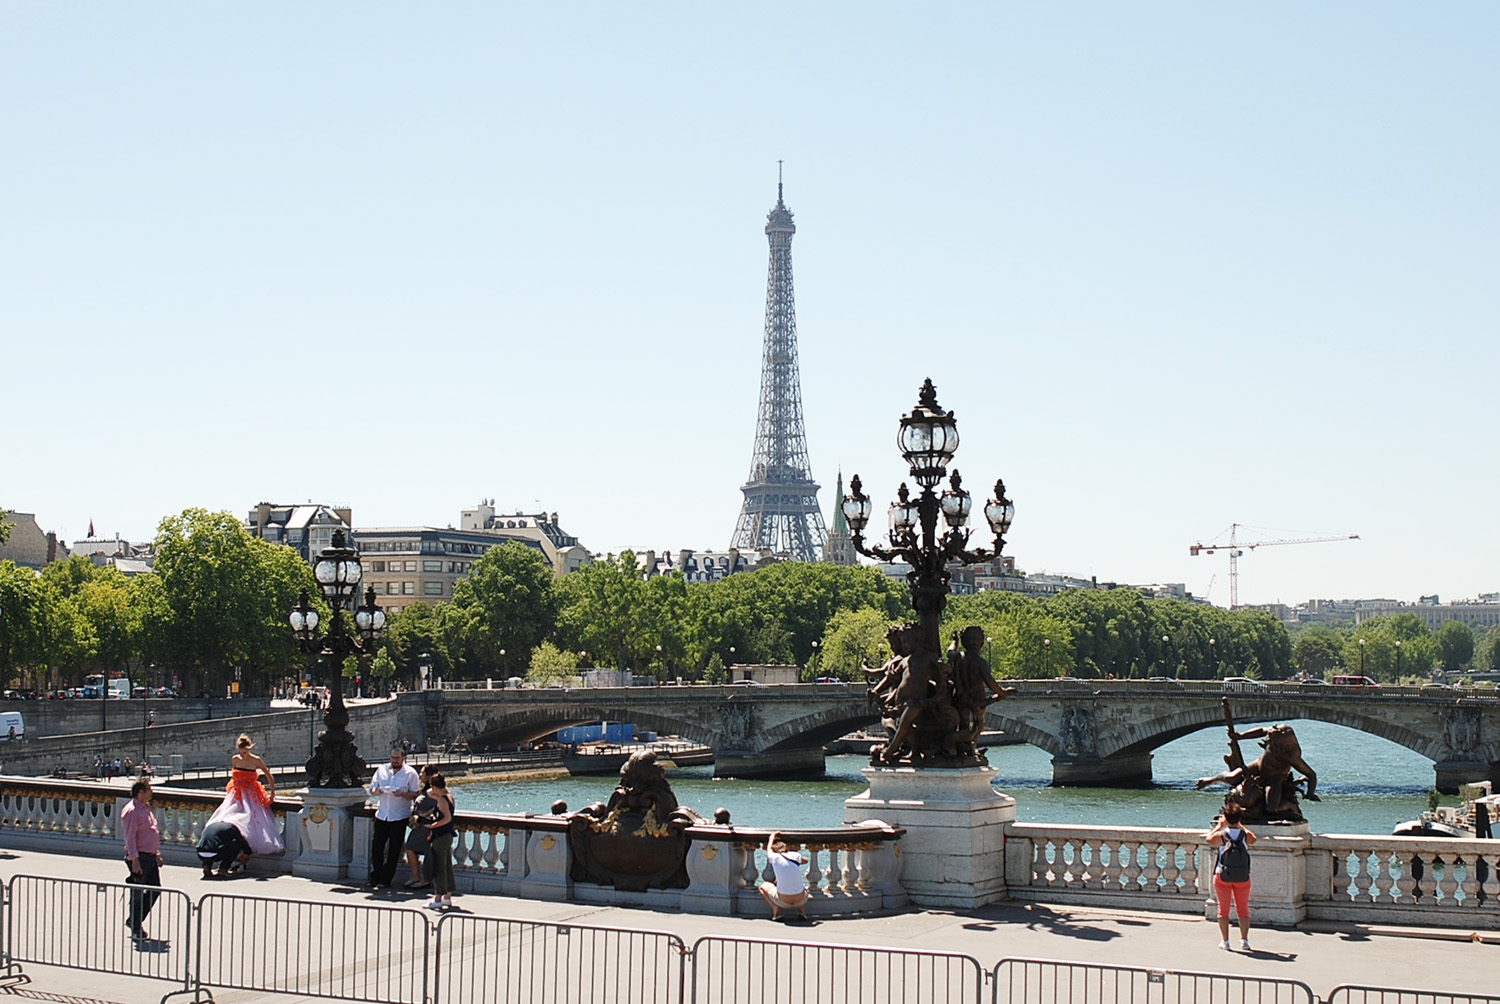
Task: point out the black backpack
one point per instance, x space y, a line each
1234 859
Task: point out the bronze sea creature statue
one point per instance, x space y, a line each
635 840
1265 788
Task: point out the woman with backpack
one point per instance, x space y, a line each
1232 872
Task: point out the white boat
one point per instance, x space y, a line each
1469 819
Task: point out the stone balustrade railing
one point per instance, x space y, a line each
1147 867
1298 875
851 869
1406 880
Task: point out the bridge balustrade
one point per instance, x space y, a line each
1407 880
1153 868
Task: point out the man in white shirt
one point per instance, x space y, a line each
395 785
789 890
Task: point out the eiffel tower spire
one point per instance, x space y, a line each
780 512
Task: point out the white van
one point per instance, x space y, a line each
11 726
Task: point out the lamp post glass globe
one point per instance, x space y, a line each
928 438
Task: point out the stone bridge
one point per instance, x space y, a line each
1098 732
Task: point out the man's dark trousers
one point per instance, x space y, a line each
386 842
141 899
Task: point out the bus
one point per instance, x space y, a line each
119 687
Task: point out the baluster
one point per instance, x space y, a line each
1362 877
747 876
505 849
1491 886
1470 884
861 860
1447 886
1151 874
463 849
1050 867
841 868
1189 869
1169 871
492 850
1406 884
1131 872
1341 877
814 871
1384 887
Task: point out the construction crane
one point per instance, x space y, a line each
1236 549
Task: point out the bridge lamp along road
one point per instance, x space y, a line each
928 439
336 762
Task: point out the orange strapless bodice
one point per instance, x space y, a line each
246 785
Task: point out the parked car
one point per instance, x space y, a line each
1358 682
1243 683
1437 686
1312 683
1165 681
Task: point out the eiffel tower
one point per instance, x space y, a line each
781 512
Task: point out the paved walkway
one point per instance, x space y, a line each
1322 956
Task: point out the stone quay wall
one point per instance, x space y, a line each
281 737
45 719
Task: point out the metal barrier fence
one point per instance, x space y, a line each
743 970
1044 981
1351 994
86 925
349 952
534 962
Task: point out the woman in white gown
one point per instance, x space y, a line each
247 805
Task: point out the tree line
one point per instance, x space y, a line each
213 612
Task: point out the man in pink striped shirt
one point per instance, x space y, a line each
143 853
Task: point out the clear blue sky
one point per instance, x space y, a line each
1173 265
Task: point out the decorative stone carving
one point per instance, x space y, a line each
1080 736
1461 729
739 725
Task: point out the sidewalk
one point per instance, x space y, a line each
1321 956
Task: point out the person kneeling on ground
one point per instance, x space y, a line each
222 844
789 890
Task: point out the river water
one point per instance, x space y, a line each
1368 785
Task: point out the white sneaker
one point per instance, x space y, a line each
437 904
1224 945
1245 946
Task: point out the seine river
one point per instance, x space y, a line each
1368 785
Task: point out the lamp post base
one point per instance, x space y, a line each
335 762
953 854
326 832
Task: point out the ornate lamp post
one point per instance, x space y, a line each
336 762
928 439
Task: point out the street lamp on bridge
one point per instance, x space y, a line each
928 440
336 762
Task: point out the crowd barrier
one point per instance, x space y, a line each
373 953
1351 994
1045 981
343 951
78 924
491 959
749 971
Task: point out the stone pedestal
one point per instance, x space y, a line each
325 832
1278 875
953 854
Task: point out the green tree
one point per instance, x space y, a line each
222 602
502 610
1318 651
23 654
603 613
1455 646
854 639
416 636
551 665
1488 656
